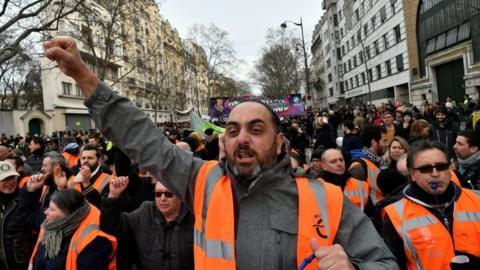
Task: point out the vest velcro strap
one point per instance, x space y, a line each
213 248
468 216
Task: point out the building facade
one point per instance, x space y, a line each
141 55
365 52
443 49
317 66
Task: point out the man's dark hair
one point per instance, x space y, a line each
275 119
424 145
91 147
371 132
68 200
40 141
473 139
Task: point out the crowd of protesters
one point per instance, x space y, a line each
386 187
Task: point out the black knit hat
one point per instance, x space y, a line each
317 152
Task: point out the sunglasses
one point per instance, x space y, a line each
440 167
158 194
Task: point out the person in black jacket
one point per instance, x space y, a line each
467 149
161 230
443 129
37 150
17 237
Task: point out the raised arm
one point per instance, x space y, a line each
126 125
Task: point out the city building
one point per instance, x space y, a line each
318 66
443 49
365 52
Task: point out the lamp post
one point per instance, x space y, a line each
307 80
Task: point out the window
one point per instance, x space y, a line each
373 23
355 61
379 71
79 92
388 67
383 14
392 5
67 88
349 64
385 41
398 35
399 60
329 63
370 75
365 29
377 48
335 20
363 78
330 90
360 56
357 16
342 88
367 50
343 49
356 80
329 77
339 54
359 36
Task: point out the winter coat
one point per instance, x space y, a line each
266 218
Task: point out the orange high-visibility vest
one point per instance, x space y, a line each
427 242
71 159
373 170
455 179
357 192
100 183
214 232
87 231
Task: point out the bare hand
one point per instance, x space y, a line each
59 177
64 51
35 182
86 173
331 257
117 186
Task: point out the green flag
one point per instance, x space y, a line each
200 125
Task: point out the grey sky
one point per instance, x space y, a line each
247 21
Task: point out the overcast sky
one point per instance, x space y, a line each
247 21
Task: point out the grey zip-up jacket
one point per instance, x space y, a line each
266 211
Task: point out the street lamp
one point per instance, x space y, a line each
284 25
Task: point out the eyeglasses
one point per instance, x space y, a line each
158 194
440 167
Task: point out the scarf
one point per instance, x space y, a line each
55 231
368 154
468 162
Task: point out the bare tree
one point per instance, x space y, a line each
278 70
221 56
19 19
20 82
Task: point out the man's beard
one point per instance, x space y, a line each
261 165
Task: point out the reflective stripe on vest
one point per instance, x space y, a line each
214 245
100 183
357 192
372 174
427 242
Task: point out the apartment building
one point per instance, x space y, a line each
365 52
143 57
317 66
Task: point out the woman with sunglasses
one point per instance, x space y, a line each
161 229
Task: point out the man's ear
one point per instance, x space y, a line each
279 141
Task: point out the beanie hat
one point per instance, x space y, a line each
317 152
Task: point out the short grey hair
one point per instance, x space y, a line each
56 158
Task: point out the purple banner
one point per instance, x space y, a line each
292 105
